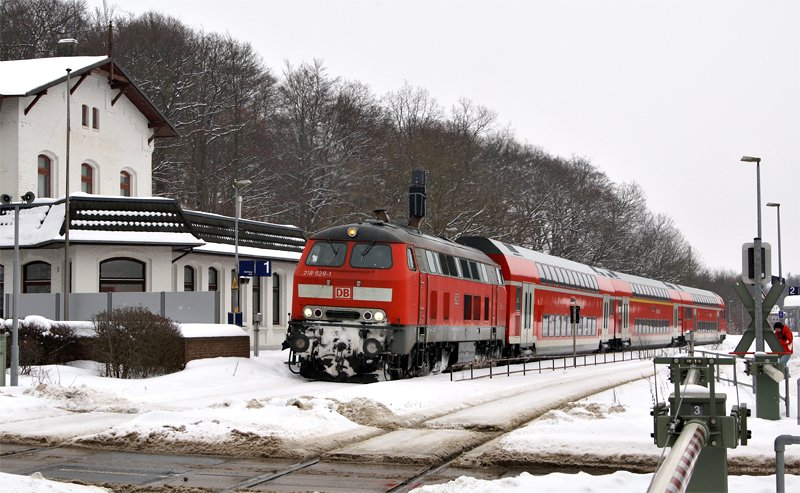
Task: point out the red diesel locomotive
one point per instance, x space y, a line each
377 296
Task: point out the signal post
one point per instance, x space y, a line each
764 368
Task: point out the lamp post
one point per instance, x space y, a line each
237 212
777 206
65 276
6 201
757 261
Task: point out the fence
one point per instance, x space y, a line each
493 368
182 307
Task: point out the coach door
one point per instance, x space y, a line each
526 330
625 316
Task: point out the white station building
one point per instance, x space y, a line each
123 243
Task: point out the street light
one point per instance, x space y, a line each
236 214
778 207
6 200
758 309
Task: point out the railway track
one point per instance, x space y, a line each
430 448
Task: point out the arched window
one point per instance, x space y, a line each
188 278
122 274
36 277
276 299
124 184
213 279
45 171
87 178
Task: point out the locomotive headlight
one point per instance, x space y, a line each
379 316
307 312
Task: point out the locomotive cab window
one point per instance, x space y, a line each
327 254
371 256
410 259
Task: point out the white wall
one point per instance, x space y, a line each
119 144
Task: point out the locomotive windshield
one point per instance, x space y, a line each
371 256
327 254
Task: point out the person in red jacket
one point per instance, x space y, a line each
784 335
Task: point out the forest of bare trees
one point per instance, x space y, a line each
321 150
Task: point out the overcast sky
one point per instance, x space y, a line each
669 95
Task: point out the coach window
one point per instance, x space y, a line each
419 256
36 278
464 265
327 254
188 278
473 267
433 262
371 256
45 172
122 274
452 266
484 275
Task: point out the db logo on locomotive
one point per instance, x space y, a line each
343 293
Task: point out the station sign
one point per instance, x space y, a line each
794 290
255 268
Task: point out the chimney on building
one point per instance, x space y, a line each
416 198
66 47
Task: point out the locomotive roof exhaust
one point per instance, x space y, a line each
381 215
416 198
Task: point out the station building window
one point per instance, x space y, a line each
87 178
276 299
122 275
45 180
213 279
36 277
188 278
124 184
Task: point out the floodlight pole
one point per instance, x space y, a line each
777 206
15 296
14 355
65 277
237 212
757 261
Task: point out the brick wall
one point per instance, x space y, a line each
214 347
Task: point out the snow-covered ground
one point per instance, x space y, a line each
238 406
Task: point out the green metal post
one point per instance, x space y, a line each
768 396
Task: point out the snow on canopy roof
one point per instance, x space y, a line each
791 301
103 219
27 77
98 219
